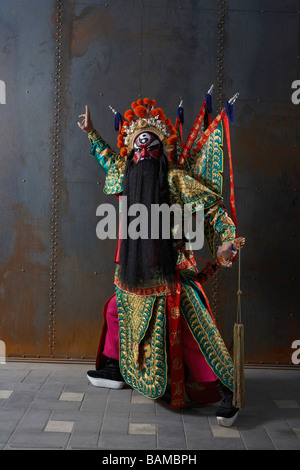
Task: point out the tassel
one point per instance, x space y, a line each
208 100
238 343
118 121
229 108
180 113
208 103
238 359
229 112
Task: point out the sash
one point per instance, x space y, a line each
174 334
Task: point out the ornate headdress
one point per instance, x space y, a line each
144 116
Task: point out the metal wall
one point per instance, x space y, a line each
57 56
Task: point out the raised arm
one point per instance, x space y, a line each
111 162
100 149
86 125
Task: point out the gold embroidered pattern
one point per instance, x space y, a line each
175 312
187 190
176 337
207 164
206 333
186 260
178 387
115 176
217 221
111 162
177 364
142 324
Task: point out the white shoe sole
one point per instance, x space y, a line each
105 383
227 422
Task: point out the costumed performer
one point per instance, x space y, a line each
159 333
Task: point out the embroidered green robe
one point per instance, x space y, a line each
141 312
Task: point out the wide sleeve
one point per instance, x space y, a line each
111 162
218 221
102 152
185 189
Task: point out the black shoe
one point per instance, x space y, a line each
226 413
109 376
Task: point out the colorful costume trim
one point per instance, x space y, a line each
205 331
150 316
142 330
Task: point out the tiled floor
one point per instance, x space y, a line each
52 406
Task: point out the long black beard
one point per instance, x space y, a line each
146 183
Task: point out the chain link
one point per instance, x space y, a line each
55 178
220 102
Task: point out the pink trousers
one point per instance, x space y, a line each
192 356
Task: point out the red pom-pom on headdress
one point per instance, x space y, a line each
129 115
120 142
140 118
140 111
172 129
173 139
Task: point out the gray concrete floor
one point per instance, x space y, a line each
53 406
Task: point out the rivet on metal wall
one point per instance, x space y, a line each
220 104
55 174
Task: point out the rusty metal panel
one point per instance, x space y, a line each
58 56
265 140
107 53
27 58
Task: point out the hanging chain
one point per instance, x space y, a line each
220 54
55 178
220 101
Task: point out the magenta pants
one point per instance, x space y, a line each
192 355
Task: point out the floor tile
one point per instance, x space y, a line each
142 428
5 393
297 432
221 431
71 396
59 426
140 399
287 403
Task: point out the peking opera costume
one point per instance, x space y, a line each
159 335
